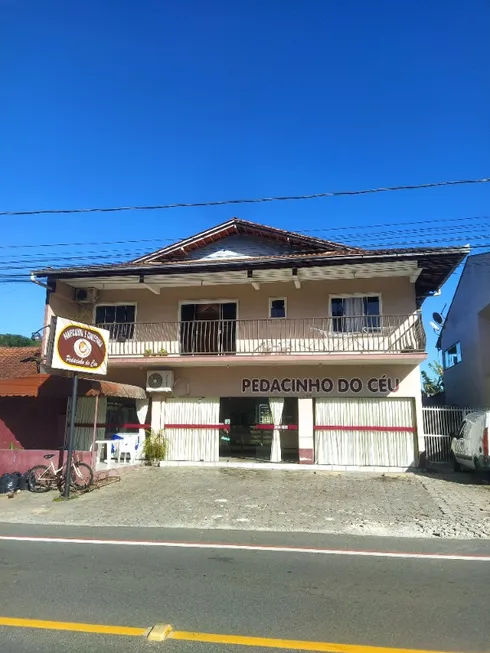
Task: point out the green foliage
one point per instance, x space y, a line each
433 384
154 446
15 340
149 352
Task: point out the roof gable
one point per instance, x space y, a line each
238 238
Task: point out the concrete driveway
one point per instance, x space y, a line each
411 505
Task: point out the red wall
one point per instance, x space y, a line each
22 460
32 423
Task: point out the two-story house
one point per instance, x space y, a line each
259 344
465 337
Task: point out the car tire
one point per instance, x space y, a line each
457 467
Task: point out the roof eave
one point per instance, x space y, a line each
257 263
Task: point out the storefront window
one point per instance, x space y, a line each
247 439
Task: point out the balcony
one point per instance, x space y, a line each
386 334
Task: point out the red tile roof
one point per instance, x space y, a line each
18 361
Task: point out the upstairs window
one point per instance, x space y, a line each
117 318
277 308
452 356
355 314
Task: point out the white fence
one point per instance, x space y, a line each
440 423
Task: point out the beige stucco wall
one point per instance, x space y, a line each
311 300
227 382
468 322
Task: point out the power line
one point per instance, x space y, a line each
161 207
416 238
24 272
302 231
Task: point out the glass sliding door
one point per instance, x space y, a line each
208 328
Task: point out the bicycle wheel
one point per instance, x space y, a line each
82 476
39 479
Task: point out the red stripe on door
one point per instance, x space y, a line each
389 429
197 426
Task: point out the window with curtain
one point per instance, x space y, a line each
118 319
355 314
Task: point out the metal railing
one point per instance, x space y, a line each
389 334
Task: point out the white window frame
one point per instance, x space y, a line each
274 299
348 295
135 304
455 344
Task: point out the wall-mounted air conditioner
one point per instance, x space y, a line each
86 295
159 381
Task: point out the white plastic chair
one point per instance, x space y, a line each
127 448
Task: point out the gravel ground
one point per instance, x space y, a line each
411 505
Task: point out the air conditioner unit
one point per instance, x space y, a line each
160 381
86 295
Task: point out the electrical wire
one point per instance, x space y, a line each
425 239
301 232
161 207
376 240
22 274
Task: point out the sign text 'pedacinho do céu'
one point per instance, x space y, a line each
374 385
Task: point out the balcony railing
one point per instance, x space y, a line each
387 334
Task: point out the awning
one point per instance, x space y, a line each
49 385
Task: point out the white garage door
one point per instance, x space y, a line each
182 419
365 432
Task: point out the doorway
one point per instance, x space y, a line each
208 328
250 433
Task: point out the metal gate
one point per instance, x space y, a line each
365 432
440 424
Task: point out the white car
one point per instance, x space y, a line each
470 447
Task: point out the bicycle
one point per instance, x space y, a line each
41 478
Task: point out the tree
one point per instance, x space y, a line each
433 384
15 340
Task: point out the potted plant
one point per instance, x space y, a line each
154 447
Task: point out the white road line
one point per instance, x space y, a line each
250 547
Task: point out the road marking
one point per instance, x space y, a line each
295 644
251 547
163 632
73 627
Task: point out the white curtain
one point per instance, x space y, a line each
142 412
277 406
353 312
85 414
192 443
365 448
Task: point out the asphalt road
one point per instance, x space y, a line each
418 603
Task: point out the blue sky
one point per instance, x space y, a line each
113 102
